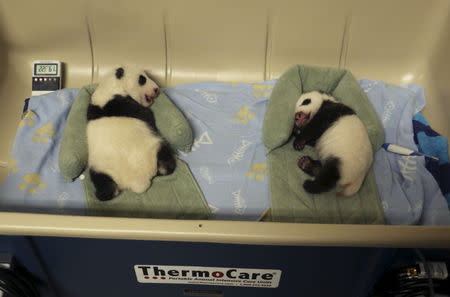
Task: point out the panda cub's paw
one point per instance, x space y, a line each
166 168
299 144
105 187
309 166
166 160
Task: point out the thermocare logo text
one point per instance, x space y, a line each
217 276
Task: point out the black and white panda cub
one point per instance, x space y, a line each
340 140
125 149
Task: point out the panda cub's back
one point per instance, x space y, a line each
124 148
347 139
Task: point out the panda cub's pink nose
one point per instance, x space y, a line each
152 96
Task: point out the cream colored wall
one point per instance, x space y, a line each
183 41
32 30
404 41
179 41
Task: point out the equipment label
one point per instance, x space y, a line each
213 276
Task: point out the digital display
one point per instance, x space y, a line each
45 69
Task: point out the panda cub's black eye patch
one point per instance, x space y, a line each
142 80
306 101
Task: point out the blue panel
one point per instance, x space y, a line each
26 260
92 267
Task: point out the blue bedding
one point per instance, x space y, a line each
433 144
409 193
228 158
34 182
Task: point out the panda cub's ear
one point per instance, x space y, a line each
119 72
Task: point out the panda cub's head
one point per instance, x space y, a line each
126 81
137 84
308 105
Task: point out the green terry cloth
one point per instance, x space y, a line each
290 202
176 196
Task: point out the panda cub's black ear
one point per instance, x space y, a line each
119 72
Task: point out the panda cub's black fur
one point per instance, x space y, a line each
340 139
125 148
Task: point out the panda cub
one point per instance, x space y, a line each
340 140
125 149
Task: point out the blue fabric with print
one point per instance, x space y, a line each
408 191
34 182
228 157
433 144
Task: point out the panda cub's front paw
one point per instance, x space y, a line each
299 144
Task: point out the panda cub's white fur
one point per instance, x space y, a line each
339 137
123 142
125 150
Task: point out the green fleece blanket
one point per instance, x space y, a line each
290 202
176 196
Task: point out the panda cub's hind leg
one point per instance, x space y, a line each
309 166
166 160
105 187
140 185
351 188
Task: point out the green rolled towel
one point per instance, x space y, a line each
290 202
173 196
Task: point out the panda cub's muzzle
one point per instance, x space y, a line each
151 97
301 118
